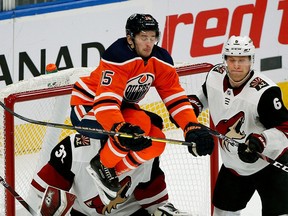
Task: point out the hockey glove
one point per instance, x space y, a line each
200 136
134 144
254 143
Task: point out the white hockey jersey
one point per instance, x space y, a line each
66 170
238 112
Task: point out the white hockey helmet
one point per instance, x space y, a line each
239 46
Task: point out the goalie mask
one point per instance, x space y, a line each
239 46
141 22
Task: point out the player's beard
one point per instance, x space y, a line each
237 84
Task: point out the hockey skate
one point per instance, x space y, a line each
105 179
168 209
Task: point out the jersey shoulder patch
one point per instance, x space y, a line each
258 83
81 141
219 68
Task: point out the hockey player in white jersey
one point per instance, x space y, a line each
143 190
247 106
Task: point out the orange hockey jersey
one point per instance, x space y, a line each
124 76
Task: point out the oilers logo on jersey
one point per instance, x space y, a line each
137 87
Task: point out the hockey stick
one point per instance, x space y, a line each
17 196
94 130
236 144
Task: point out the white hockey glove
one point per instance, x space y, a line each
56 202
168 209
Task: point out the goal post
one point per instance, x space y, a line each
24 147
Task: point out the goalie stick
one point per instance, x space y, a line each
18 197
94 130
235 143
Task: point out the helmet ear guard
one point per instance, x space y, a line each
141 22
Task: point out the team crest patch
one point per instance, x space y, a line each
137 87
220 68
81 140
258 83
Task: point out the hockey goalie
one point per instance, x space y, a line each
64 186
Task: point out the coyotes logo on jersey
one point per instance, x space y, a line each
121 197
231 128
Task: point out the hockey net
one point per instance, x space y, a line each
24 147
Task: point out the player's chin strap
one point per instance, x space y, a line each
233 142
95 130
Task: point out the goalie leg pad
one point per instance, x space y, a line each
56 202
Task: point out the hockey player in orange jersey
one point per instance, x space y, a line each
126 72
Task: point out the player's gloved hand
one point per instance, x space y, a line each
136 144
254 143
200 136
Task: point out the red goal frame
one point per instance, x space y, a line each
12 99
